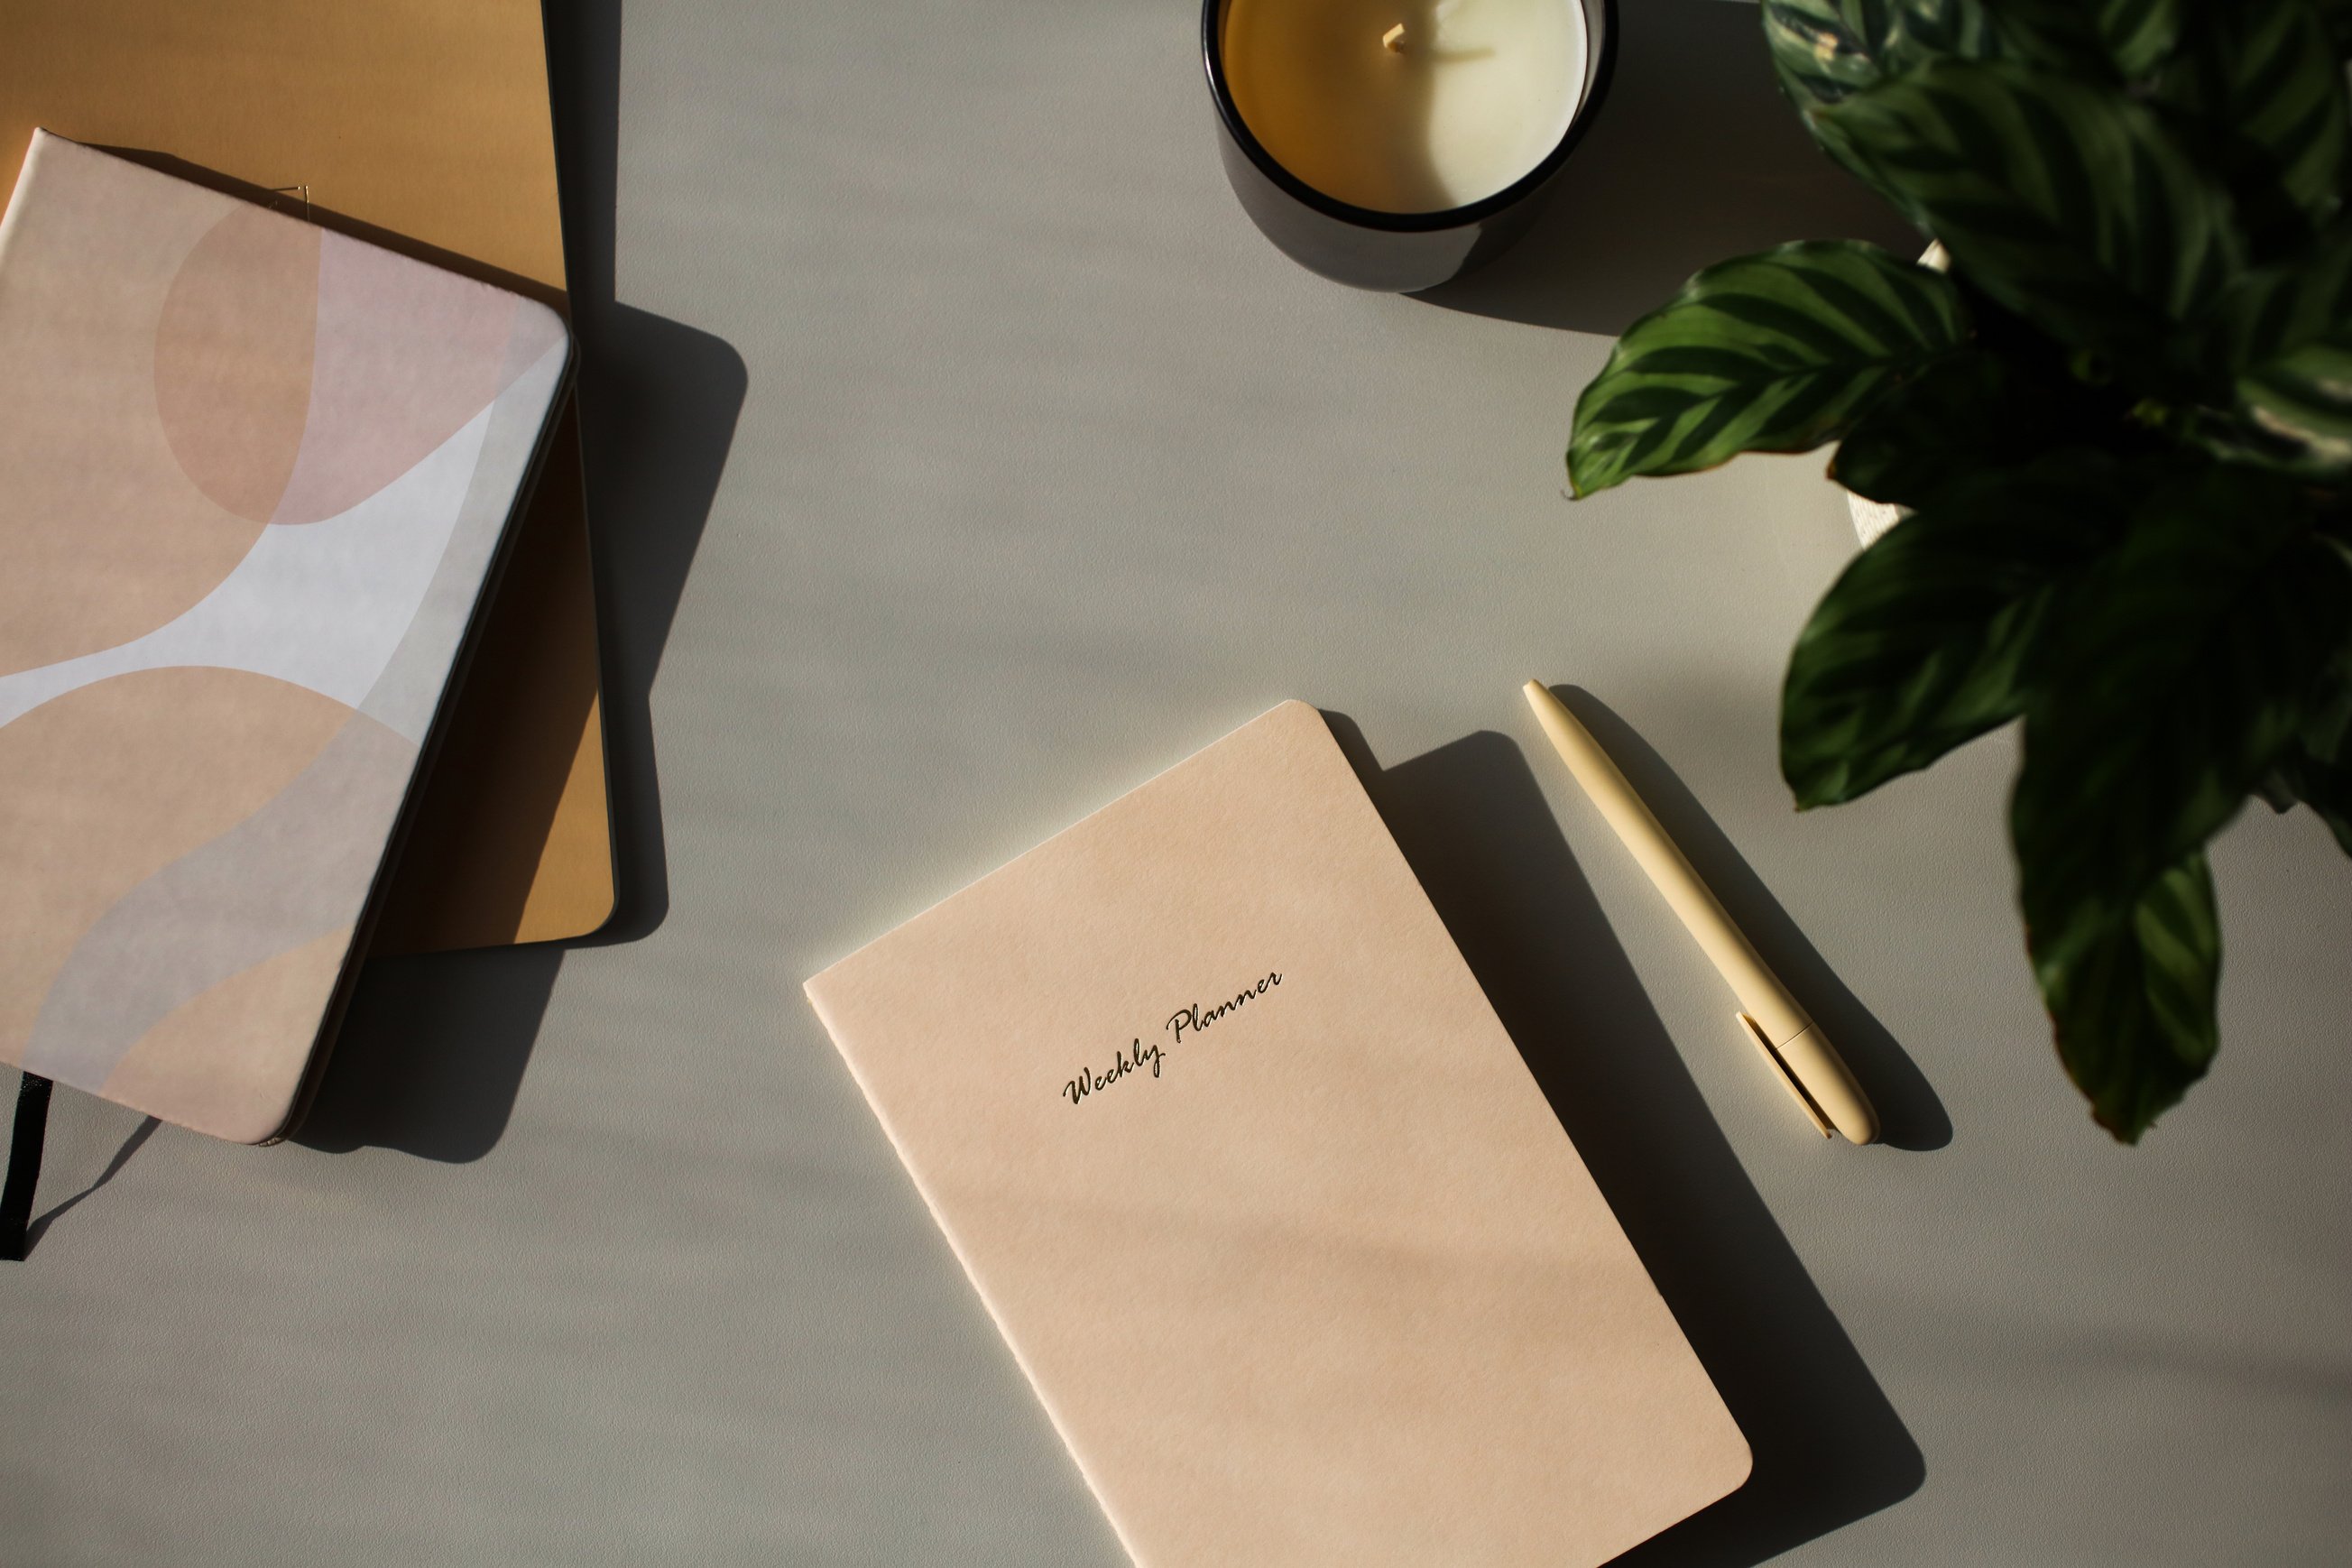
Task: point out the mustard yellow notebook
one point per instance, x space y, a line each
1263 1198
259 475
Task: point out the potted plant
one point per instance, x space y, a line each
2121 423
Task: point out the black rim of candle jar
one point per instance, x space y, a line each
1213 53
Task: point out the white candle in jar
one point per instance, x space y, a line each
1406 106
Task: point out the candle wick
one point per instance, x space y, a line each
1394 39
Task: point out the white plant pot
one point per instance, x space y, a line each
1873 517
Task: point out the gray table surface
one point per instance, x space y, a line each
962 456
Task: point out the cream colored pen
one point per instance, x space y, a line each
1799 1055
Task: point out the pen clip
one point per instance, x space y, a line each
1788 1080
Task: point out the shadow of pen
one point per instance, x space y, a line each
1910 1115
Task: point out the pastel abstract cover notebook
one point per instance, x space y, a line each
1263 1198
256 476
426 125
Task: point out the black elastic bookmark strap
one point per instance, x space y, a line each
24 1164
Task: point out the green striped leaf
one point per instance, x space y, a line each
2280 340
1976 413
2300 408
2317 769
2134 1011
2262 81
2141 34
2336 16
2326 787
1936 633
2188 661
2274 311
2063 200
1826 50
1773 352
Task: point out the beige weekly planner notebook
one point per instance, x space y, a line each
1262 1196
254 476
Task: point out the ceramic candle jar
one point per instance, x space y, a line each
1393 144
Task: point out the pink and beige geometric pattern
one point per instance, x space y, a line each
253 478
